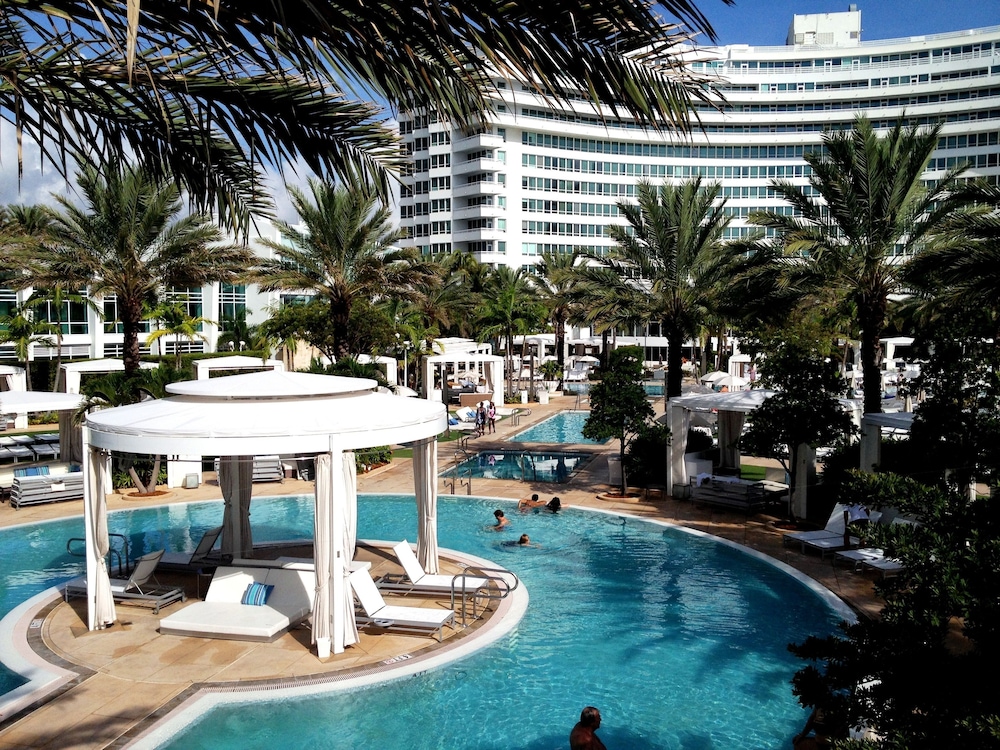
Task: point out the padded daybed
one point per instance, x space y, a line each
222 615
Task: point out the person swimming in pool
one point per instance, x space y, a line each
554 505
523 541
502 521
527 503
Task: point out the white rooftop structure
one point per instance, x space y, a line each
826 29
204 367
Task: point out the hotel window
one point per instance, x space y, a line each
72 318
232 302
112 324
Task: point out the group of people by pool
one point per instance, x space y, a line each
486 417
524 505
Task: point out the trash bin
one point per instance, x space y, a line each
524 397
543 395
289 471
615 470
190 481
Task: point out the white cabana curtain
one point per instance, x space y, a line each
101 602
322 625
680 423
350 506
425 486
236 481
730 429
345 510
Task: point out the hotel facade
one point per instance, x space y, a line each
535 178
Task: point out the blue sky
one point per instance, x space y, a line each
765 22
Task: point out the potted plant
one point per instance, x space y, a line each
551 371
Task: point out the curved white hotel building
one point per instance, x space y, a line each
536 179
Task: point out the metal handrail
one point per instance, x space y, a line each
112 551
506 581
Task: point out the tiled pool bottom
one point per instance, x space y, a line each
520 465
564 427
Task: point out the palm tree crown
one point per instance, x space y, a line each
126 240
345 254
870 212
652 271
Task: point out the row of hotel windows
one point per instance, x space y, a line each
938 54
819 127
826 105
628 190
72 317
905 80
658 150
654 171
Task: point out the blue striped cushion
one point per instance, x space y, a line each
256 594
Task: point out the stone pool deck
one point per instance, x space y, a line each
121 681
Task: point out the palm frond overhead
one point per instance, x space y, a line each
209 92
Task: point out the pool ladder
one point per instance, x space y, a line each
120 555
462 455
500 583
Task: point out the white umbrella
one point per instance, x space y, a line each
732 382
587 358
713 376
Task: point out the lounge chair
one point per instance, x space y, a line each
391 617
202 556
139 588
415 581
834 529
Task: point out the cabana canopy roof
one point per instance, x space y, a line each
266 412
25 402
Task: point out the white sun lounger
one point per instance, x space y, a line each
415 581
418 620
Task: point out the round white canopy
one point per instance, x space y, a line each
266 412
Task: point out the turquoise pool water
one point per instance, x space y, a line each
680 640
564 427
520 466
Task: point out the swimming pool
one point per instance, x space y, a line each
563 427
679 639
520 465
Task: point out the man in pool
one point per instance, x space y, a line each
527 503
502 521
583 736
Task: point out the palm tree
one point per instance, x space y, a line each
206 93
22 330
960 267
652 272
870 212
555 283
345 254
510 308
174 321
127 240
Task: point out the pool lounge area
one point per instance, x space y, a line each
582 492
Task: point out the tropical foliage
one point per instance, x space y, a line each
673 234
208 93
866 208
618 405
128 239
344 256
914 676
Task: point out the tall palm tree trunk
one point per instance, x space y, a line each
131 314
675 342
870 370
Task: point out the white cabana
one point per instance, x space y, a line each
438 368
203 368
23 403
12 378
71 373
262 413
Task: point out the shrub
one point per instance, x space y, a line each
646 459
